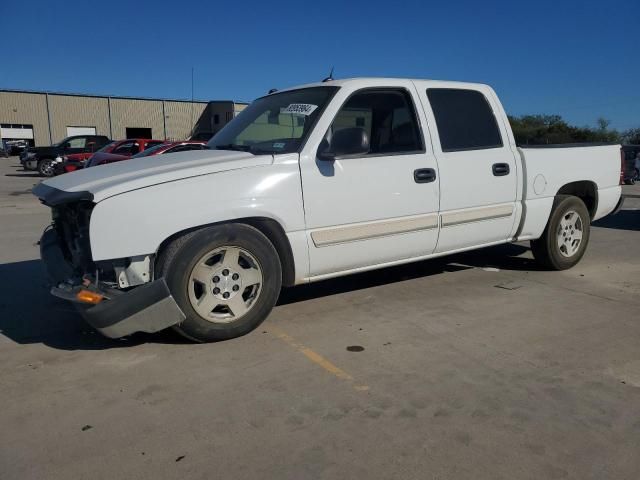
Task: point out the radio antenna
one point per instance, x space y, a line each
330 77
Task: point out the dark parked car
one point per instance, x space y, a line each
42 159
631 173
16 147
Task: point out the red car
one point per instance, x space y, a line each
158 149
112 152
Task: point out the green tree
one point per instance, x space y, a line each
553 129
632 136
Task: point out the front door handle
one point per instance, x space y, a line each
500 169
424 175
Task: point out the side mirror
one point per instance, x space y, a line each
67 146
345 142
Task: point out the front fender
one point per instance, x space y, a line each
137 222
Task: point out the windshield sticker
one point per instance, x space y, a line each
278 145
299 109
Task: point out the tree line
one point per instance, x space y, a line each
552 129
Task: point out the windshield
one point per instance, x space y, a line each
277 123
61 142
105 147
150 151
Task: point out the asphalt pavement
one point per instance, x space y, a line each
476 366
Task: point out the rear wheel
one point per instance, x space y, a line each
566 236
46 167
226 279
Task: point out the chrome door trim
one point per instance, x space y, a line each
368 230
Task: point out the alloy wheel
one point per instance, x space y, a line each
224 284
569 234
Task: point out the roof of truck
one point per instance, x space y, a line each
380 80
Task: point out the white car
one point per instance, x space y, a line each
309 183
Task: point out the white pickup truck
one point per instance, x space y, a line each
309 183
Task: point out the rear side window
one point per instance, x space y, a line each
465 119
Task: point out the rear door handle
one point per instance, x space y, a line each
500 169
424 175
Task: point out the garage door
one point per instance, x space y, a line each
80 131
16 132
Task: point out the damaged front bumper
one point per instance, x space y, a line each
146 308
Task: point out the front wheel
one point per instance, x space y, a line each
46 167
226 279
566 235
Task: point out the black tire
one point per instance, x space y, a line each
546 250
178 259
46 167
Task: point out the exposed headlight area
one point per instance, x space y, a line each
71 222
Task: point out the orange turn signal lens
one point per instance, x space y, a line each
87 296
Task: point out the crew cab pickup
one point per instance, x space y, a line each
309 183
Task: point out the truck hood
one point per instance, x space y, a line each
104 181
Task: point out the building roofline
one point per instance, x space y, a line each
123 97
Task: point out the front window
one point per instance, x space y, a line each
77 142
386 115
277 123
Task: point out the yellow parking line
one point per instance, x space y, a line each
317 359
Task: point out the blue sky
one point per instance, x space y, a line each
580 59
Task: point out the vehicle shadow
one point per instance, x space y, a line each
503 257
30 315
24 175
623 220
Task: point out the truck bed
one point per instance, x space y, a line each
547 168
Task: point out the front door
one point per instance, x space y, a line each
375 208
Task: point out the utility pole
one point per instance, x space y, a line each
191 103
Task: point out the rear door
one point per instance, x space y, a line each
478 177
